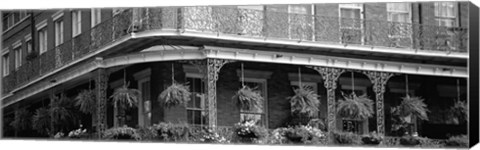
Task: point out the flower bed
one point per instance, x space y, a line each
250 133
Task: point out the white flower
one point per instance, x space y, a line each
58 135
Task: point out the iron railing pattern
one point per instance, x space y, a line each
246 23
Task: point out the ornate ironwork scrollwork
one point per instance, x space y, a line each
330 77
213 68
379 81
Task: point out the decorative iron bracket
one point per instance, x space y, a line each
213 67
330 77
379 81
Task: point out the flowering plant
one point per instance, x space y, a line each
209 136
249 132
58 135
278 136
171 132
304 134
78 133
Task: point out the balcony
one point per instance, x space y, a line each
244 23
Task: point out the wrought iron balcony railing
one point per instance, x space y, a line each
302 27
245 23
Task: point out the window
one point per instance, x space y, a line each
300 22
144 103
353 125
13 18
255 79
311 85
297 9
58 32
96 16
42 40
196 112
351 23
28 42
144 109
256 115
398 12
6 64
76 22
18 56
23 14
8 21
446 13
398 15
350 15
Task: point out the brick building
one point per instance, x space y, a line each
384 50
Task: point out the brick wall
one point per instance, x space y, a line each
228 83
375 11
279 106
428 13
156 86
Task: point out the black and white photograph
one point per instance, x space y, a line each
394 74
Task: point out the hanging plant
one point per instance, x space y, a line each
411 107
22 120
41 121
62 111
248 98
175 94
125 97
86 101
355 107
305 101
459 111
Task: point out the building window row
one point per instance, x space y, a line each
13 18
10 19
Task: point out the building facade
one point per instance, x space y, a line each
383 50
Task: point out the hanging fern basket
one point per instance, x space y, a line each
248 98
412 106
86 101
41 121
22 120
459 111
305 101
355 107
176 94
125 97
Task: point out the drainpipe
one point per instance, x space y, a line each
32 27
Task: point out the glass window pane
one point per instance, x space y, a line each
197 117
197 85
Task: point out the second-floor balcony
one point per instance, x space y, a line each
248 23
